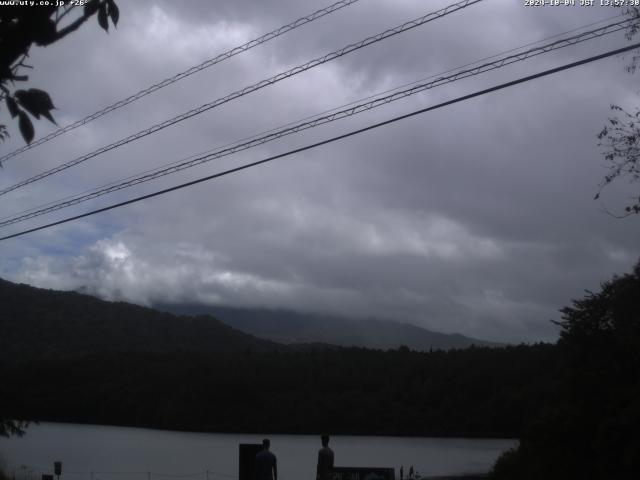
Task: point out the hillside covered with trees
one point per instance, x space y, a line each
71 357
39 324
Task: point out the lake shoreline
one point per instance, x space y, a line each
479 476
93 452
452 436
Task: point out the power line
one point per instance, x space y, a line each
179 76
354 102
252 88
196 159
318 120
331 140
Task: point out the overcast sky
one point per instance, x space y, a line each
477 218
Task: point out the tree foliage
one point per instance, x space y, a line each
22 26
621 141
592 431
12 427
620 137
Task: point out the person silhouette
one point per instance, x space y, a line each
325 460
265 466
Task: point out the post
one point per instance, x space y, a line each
57 468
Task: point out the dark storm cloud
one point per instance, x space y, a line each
477 218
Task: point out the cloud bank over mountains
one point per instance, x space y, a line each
477 218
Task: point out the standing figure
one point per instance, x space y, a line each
401 472
325 460
411 471
265 466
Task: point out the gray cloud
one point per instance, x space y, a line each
477 218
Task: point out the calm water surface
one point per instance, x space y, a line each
119 453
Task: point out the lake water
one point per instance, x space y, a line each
91 452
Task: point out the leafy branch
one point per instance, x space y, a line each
620 137
621 141
20 28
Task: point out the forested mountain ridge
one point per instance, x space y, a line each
288 327
70 357
36 323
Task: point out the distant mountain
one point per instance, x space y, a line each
39 323
290 327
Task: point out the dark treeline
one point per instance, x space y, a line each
589 429
481 392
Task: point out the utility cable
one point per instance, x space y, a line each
330 140
252 88
296 128
179 76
